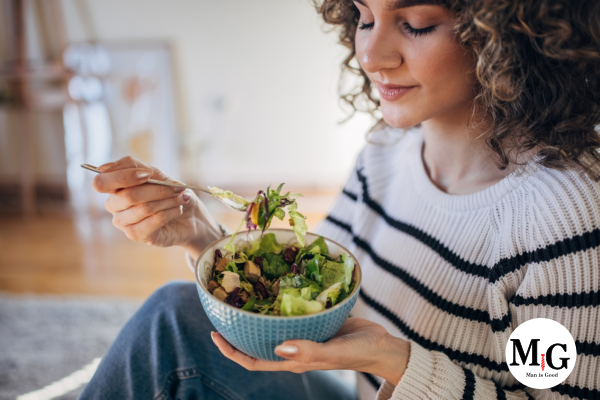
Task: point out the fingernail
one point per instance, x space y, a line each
143 174
186 197
178 189
286 350
107 166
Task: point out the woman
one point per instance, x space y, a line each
477 208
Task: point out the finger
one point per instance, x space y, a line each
132 196
131 163
109 182
145 230
137 213
302 350
250 363
323 356
123 163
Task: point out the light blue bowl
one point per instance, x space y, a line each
255 334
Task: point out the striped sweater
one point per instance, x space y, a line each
456 274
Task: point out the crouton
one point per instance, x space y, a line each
221 264
251 271
212 285
220 293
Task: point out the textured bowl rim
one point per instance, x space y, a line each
357 273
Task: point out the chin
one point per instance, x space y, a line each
399 117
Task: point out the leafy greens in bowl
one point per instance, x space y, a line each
296 311
273 279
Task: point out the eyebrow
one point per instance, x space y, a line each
397 4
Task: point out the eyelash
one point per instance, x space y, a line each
409 29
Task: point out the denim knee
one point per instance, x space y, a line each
179 302
175 295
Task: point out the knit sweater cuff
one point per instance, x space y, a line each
191 262
427 375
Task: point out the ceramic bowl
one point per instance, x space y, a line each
255 334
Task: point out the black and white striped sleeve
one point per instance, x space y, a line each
561 283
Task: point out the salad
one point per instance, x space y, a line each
266 205
269 278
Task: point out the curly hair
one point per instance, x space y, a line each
538 67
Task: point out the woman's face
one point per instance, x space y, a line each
410 53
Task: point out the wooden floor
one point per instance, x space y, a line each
87 255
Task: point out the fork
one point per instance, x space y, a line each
228 202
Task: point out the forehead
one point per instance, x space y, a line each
392 5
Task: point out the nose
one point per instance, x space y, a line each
379 51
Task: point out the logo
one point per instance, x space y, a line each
541 353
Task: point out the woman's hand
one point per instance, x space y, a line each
359 345
154 214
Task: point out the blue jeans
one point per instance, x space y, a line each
165 352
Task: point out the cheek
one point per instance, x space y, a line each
446 85
445 69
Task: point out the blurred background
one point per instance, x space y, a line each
231 93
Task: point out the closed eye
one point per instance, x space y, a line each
418 32
413 31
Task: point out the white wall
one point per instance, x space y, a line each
257 82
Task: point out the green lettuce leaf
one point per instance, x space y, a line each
247 286
279 213
228 194
264 306
318 246
313 268
249 306
293 281
338 272
331 293
274 266
298 302
344 293
268 244
231 267
250 251
299 227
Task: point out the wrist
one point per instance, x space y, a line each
192 249
393 359
203 236
206 230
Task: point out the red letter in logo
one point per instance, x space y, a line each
543 361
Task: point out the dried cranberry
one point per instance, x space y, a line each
294 269
260 288
258 261
290 255
234 299
218 256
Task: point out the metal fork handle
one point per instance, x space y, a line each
154 181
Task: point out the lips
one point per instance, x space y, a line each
392 92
